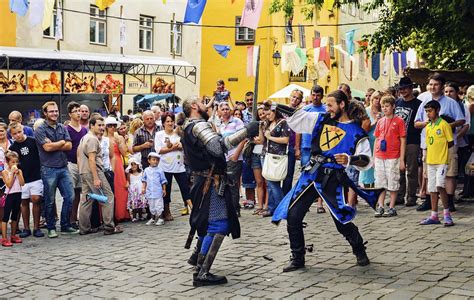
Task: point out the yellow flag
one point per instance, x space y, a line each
164 1
103 4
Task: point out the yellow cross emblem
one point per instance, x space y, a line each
330 137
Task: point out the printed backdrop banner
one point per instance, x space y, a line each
44 82
79 83
12 81
109 83
139 84
162 84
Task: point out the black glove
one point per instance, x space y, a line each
286 110
252 129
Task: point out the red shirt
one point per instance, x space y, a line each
390 130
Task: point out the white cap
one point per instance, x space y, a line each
153 154
111 121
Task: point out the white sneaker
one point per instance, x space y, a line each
160 222
150 222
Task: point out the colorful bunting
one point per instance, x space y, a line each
194 10
251 13
375 66
324 52
223 50
20 7
286 49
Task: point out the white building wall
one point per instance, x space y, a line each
76 34
362 75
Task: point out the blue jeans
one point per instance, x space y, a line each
288 182
305 156
275 194
57 178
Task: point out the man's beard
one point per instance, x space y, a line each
203 114
337 115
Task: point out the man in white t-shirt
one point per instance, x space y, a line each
234 158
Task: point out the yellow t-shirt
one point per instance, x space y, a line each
438 135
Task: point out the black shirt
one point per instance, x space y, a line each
407 111
29 159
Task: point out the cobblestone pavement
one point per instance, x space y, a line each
408 261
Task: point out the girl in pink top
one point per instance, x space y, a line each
13 178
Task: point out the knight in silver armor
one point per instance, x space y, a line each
213 216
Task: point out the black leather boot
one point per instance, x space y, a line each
426 205
296 236
358 248
204 277
451 206
194 257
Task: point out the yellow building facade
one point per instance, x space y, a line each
270 39
8 29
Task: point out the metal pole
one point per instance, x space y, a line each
255 93
120 38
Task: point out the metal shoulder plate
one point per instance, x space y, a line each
204 132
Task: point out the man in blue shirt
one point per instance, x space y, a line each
449 110
53 142
317 94
16 117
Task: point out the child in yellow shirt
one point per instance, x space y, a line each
439 137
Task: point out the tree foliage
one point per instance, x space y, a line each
441 31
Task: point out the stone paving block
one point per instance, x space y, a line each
463 292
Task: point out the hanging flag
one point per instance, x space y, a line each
103 4
375 66
58 30
329 5
164 1
350 41
223 50
175 37
123 33
385 64
251 13
324 52
20 7
364 44
411 58
252 58
47 14
194 10
286 51
36 12
302 55
396 61
404 60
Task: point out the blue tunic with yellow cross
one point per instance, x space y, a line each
330 137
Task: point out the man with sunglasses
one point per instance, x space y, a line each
53 142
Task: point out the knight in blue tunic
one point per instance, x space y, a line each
337 142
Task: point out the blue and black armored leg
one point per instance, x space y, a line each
211 243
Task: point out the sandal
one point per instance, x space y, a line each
320 210
257 210
117 230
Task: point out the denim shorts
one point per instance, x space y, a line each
256 161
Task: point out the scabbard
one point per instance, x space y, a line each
189 241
